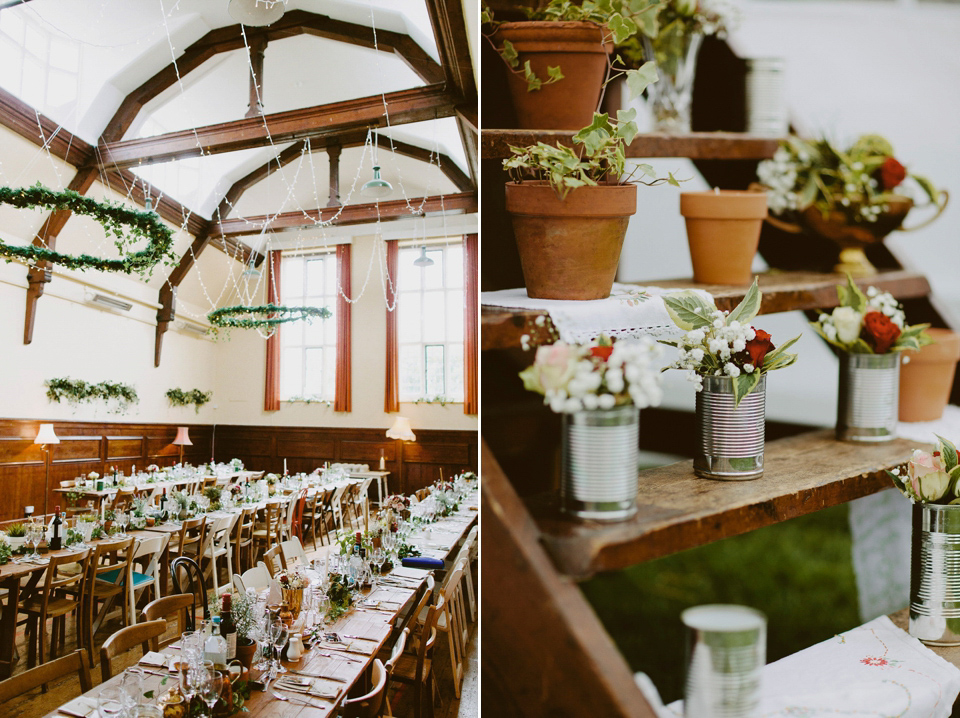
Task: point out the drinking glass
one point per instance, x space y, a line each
190 681
122 519
132 687
110 702
279 634
34 535
210 688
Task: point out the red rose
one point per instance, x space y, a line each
759 347
602 353
879 332
892 173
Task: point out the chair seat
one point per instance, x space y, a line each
110 577
405 669
55 607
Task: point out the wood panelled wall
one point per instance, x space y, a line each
413 465
97 446
83 447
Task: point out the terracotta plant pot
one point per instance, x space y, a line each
723 229
245 653
926 377
569 249
578 49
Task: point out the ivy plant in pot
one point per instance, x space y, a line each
560 57
570 208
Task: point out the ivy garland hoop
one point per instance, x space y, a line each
128 226
265 316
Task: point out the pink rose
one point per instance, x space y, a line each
555 365
928 479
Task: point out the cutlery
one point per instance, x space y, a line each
346 658
359 638
318 675
304 702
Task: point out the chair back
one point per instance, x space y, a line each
243 529
123 499
292 553
457 621
148 551
193 533
57 583
146 634
257 578
397 651
368 706
295 515
220 531
273 560
209 482
46 673
173 605
428 638
192 584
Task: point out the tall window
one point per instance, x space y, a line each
430 323
308 365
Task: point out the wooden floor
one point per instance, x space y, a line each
36 703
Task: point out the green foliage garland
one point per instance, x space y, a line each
273 315
76 391
179 397
128 226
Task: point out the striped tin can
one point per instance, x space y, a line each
935 574
730 442
601 455
726 652
869 396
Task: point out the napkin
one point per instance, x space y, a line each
155 659
81 707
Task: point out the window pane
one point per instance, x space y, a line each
433 316
411 372
315 277
409 272
329 374
291 335
291 376
434 372
408 322
330 329
455 316
292 278
313 332
330 272
313 386
433 275
455 266
455 371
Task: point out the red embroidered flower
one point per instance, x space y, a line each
603 353
873 661
880 332
758 347
891 173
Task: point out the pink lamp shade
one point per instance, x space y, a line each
46 435
401 430
183 437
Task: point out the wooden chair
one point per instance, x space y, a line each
453 621
273 559
193 584
163 608
267 530
310 516
368 705
327 516
395 654
348 506
41 675
123 500
146 634
416 669
193 533
208 482
257 578
294 523
145 574
423 493
361 504
59 595
243 540
110 573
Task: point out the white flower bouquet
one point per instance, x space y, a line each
292 578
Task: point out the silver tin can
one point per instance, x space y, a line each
726 652
869 397
601 456
730 442
935 574
766 102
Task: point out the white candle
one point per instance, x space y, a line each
284 466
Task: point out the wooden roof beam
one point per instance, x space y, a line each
445 162
415 105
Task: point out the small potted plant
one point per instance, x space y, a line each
926 376
853 196
17 535
570 208
599 388
870 330
728 360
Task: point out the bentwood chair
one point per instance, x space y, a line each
368 705
146 634
416 669
58 596
76 662
163 608
190 581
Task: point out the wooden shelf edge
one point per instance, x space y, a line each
495 144
678 511
502 328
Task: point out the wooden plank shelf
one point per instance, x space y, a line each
802 474
495 144
502 328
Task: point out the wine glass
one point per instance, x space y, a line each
190 681
210 688
110 702
122 519
279 635
34 535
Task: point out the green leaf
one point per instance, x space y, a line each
647 20
555 74
626 127
672 180
683 310
851 296
638 80
621 27
898 482
743 385
928 188
533 82
949 453
509 53
748 308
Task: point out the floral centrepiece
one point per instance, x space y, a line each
869 323
724 344
931 478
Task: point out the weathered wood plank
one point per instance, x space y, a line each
802 474
782 292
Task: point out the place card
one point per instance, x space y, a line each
81 707
157 660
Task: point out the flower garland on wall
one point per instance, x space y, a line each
179 397
78 391
265 316
127 226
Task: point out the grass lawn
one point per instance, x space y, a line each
799 573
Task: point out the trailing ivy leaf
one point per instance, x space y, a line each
554 73
621 27
672 180
509 54
626 127
638 80
949 453
748 308
688 310
743 385
647 20
533 82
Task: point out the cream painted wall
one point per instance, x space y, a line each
240 369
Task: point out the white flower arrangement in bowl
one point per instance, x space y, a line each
292 578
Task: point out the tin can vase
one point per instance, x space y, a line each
601 456
868 402
935 574
730 444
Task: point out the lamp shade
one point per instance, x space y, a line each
401 430
183 437
377 187
46 435
256 13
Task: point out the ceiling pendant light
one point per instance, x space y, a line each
256 13
423 260
377 187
